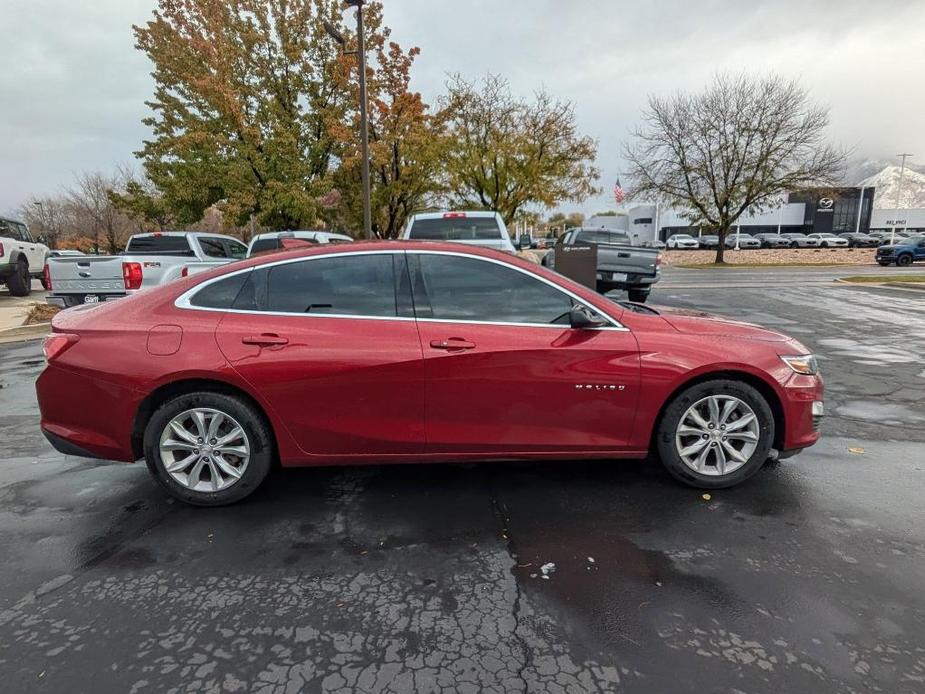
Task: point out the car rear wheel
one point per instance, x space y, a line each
20 282
208 449
716 434
904 260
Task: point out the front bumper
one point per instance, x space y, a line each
803 411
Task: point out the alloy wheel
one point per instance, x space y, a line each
204 450
717 435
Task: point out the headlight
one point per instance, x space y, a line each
805 364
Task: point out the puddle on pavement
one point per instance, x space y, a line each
869 354
880 412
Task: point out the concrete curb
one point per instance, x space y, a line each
906 286
25 332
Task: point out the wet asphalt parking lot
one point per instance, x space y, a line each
808 578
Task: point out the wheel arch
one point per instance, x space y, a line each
164 392
761 385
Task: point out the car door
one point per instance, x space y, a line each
33 251
330 342
505 372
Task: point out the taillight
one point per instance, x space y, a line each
184 272
2 252
658 260
55 344
131 273
454 215
46 275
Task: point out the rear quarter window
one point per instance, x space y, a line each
236 291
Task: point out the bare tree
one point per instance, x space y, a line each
739 144
91 199
47 218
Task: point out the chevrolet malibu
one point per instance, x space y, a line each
413 352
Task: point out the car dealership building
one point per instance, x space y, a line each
824 210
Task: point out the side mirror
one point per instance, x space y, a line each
581 318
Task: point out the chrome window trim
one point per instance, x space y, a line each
183 301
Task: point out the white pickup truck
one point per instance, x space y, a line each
149 260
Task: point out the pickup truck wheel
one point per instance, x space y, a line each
604 287
20 282
904 260
639 296
715 434
208 449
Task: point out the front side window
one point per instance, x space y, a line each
351 285
236 249
213 248
264 245
467 289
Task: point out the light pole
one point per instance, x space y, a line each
360 52
38 203
899 193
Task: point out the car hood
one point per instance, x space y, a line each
891 247
691 322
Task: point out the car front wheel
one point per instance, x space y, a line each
716 434
904 261
208 449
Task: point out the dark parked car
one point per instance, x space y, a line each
903 253
709 242
857 239
409 351
771 240
745 241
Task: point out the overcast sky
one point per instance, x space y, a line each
72 85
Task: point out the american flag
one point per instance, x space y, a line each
618 194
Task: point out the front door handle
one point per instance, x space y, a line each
265 340
452 343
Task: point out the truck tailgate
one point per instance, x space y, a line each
86 275
631 260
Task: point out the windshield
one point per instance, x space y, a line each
456 229
602 236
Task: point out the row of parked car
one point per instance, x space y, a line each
849 239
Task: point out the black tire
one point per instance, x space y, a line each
638 295
604 287
794 244
20 282
251 420
904 260
668 424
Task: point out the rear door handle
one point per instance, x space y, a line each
265 340
452 343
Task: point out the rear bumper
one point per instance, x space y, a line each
70 300
86 416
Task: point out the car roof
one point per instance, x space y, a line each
149 234
440 215
300 234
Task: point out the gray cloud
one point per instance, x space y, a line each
74 86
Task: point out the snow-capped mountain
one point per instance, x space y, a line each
886 183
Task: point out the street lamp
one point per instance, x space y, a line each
360 52
899 194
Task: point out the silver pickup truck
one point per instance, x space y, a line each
149 260
620 265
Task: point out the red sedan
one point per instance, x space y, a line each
400 352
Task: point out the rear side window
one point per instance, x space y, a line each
456 229
225 293
166 245
354 285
